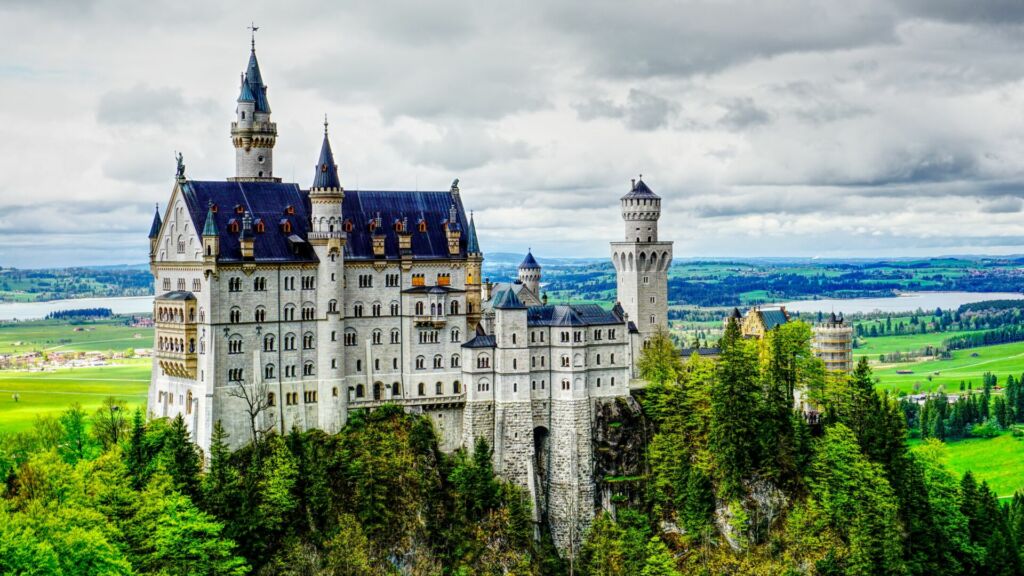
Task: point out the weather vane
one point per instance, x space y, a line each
253 27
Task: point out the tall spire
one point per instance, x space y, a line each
254 79
326 170
472 245
154 230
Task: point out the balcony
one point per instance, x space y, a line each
429 321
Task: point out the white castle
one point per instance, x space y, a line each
280 307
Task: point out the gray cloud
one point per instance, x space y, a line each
462 148
640 111
742 113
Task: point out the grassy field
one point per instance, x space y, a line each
50 335
872 347
998 461
49 393
969 365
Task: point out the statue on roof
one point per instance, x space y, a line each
181 165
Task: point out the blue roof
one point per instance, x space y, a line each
529 263
360 207
472 245
326 170
154 230
481 340
640 190
246 94
772 318
506 300
255 81
571 315
210 228
266 201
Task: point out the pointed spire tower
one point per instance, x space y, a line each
252 132
154 233
326 196
474 268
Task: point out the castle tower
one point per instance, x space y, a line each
252 132
327 237
529 274
154 233
642 262
474 266
513 417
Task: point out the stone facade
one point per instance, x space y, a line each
297 306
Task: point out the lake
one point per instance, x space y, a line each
36 310
907 302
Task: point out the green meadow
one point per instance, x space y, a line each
967 365
998 461
49 393
54 335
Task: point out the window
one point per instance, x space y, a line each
181 283
289 371
309 396
289 312
577 336
422 225
438 361
565 361
291 398
420 388
375 309
483 361
332 306
376 364
455 361
439 388
598 360
235 375
483 386
419 308
359 365
456 387
167 283
417 280
350 337
307 341
360 391
259 284
308 282
196 285
289 283
357 310
394 363
308 313
395 336
566 385
366 280
647 279
394 308
613 381
565 336
268 372
444 279
597 334
456 335
289 341
307 369
348 225
235 345
514 363
652 319
420 362
235 285
261 314
268 343
235 315
271 399
377 336
334 336
391 280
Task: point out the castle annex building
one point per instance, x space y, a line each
279 307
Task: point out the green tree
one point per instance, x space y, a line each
659 560
347 552
733 440
602 551
181 458
75 443
110 422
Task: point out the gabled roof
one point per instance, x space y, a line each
507 300
529 262
154 230
177 295
360 206
472 245
640 190
326 170
481 340
772 318
570 315
268 201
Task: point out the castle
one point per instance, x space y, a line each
279 307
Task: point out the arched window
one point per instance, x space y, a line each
456 335
454 307
375 309
455 361
307 369
395 389
456 387
420 362
360 391
438 361
235 315
357 309
307 341
289 341
420 388
394 308
439 388
419 308
422 226
289 312
268 372
395 336
377 336
271 399
261 314
332 306
350 337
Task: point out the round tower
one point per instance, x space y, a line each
252 132
529 273
641 209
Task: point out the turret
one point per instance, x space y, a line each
529 273
246 239
474 264
211 237
641 209
252 132
453 231
154 233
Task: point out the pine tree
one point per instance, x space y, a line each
659 560
135 457
181 458
733 431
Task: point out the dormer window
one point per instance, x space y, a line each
289 209
373 224
213 208
259 226
233 226
398 226
286 226
239 209
348 225
422 226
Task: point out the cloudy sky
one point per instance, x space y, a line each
782 128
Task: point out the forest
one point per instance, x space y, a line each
735 481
